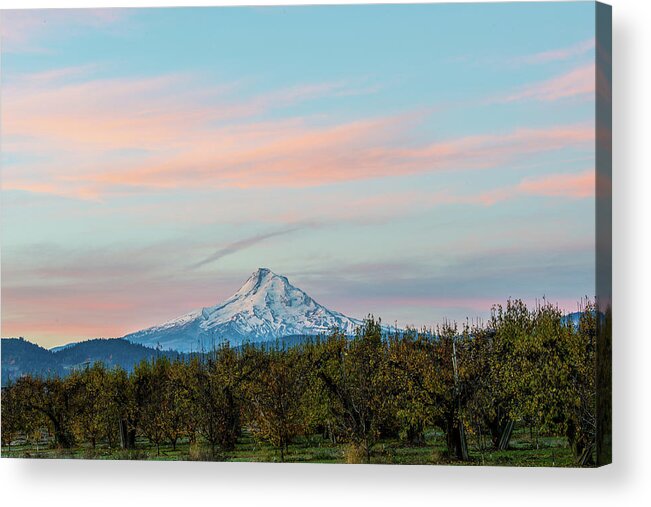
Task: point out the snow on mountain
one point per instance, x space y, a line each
266 308
58 348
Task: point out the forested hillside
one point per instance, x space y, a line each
21 357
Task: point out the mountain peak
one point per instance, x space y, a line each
263 279
262 274
266 308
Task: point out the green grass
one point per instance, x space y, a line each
550 451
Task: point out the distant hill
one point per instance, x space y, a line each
574 318
111 351
20 357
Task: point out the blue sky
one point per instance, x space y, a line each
417 162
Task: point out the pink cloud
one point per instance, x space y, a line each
97 114
579 82
578 49
571 186
105 136
574 186
139 113
297 154
374 209
86 129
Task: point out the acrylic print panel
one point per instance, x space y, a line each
335 234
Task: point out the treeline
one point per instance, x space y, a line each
526 366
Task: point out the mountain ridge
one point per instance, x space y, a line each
21 357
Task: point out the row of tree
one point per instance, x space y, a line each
532 367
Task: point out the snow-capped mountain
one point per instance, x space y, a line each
266 308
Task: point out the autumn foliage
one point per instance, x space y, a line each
527 367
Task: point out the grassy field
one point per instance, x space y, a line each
551 451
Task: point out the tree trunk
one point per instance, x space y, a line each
501 428
505 436
456 441
61 437
131 439
416 436
127 436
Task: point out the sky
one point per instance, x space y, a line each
414 162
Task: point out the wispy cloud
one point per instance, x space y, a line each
564 185
579 51
243 244
96 137
577 83
85 130
295 154
576 50
570 186
277 155
574 186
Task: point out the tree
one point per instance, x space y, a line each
274 395
580 408
408 364
448 385
94 415
354 374
13 417
149 385
509 328
53 398
176 405
122 389
217 399
543 355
